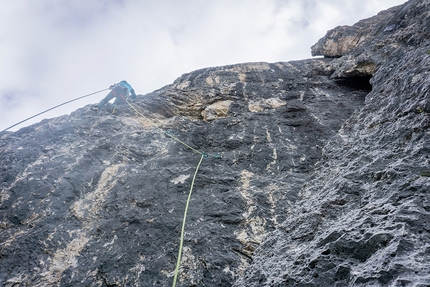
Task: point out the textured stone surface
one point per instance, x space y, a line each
342 40
364 218
324 179
97 200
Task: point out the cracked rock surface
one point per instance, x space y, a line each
364 218
95 199
314 176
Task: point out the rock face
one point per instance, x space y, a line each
313 177
98 200
364 218
343 40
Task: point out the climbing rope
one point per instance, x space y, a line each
181 242
167 133
203 154
52 109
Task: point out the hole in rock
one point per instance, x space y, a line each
313 264
361 83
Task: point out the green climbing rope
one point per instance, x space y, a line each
181 242
203 154
169 135
140 114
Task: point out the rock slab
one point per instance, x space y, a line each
314 175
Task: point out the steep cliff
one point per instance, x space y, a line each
364 218
314 177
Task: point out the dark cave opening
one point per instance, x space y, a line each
361 83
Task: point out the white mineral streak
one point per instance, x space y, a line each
180 179
87 210
253 230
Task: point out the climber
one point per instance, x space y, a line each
120 92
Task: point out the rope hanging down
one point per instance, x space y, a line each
203 154
171 136
181 243
52 109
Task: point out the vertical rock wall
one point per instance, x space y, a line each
97 200
364 218
319 183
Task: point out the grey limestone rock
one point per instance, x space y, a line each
96 199
364 218
314 176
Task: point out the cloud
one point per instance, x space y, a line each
52 51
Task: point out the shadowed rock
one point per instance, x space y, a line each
363 219
323 178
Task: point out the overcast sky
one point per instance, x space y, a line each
52 51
